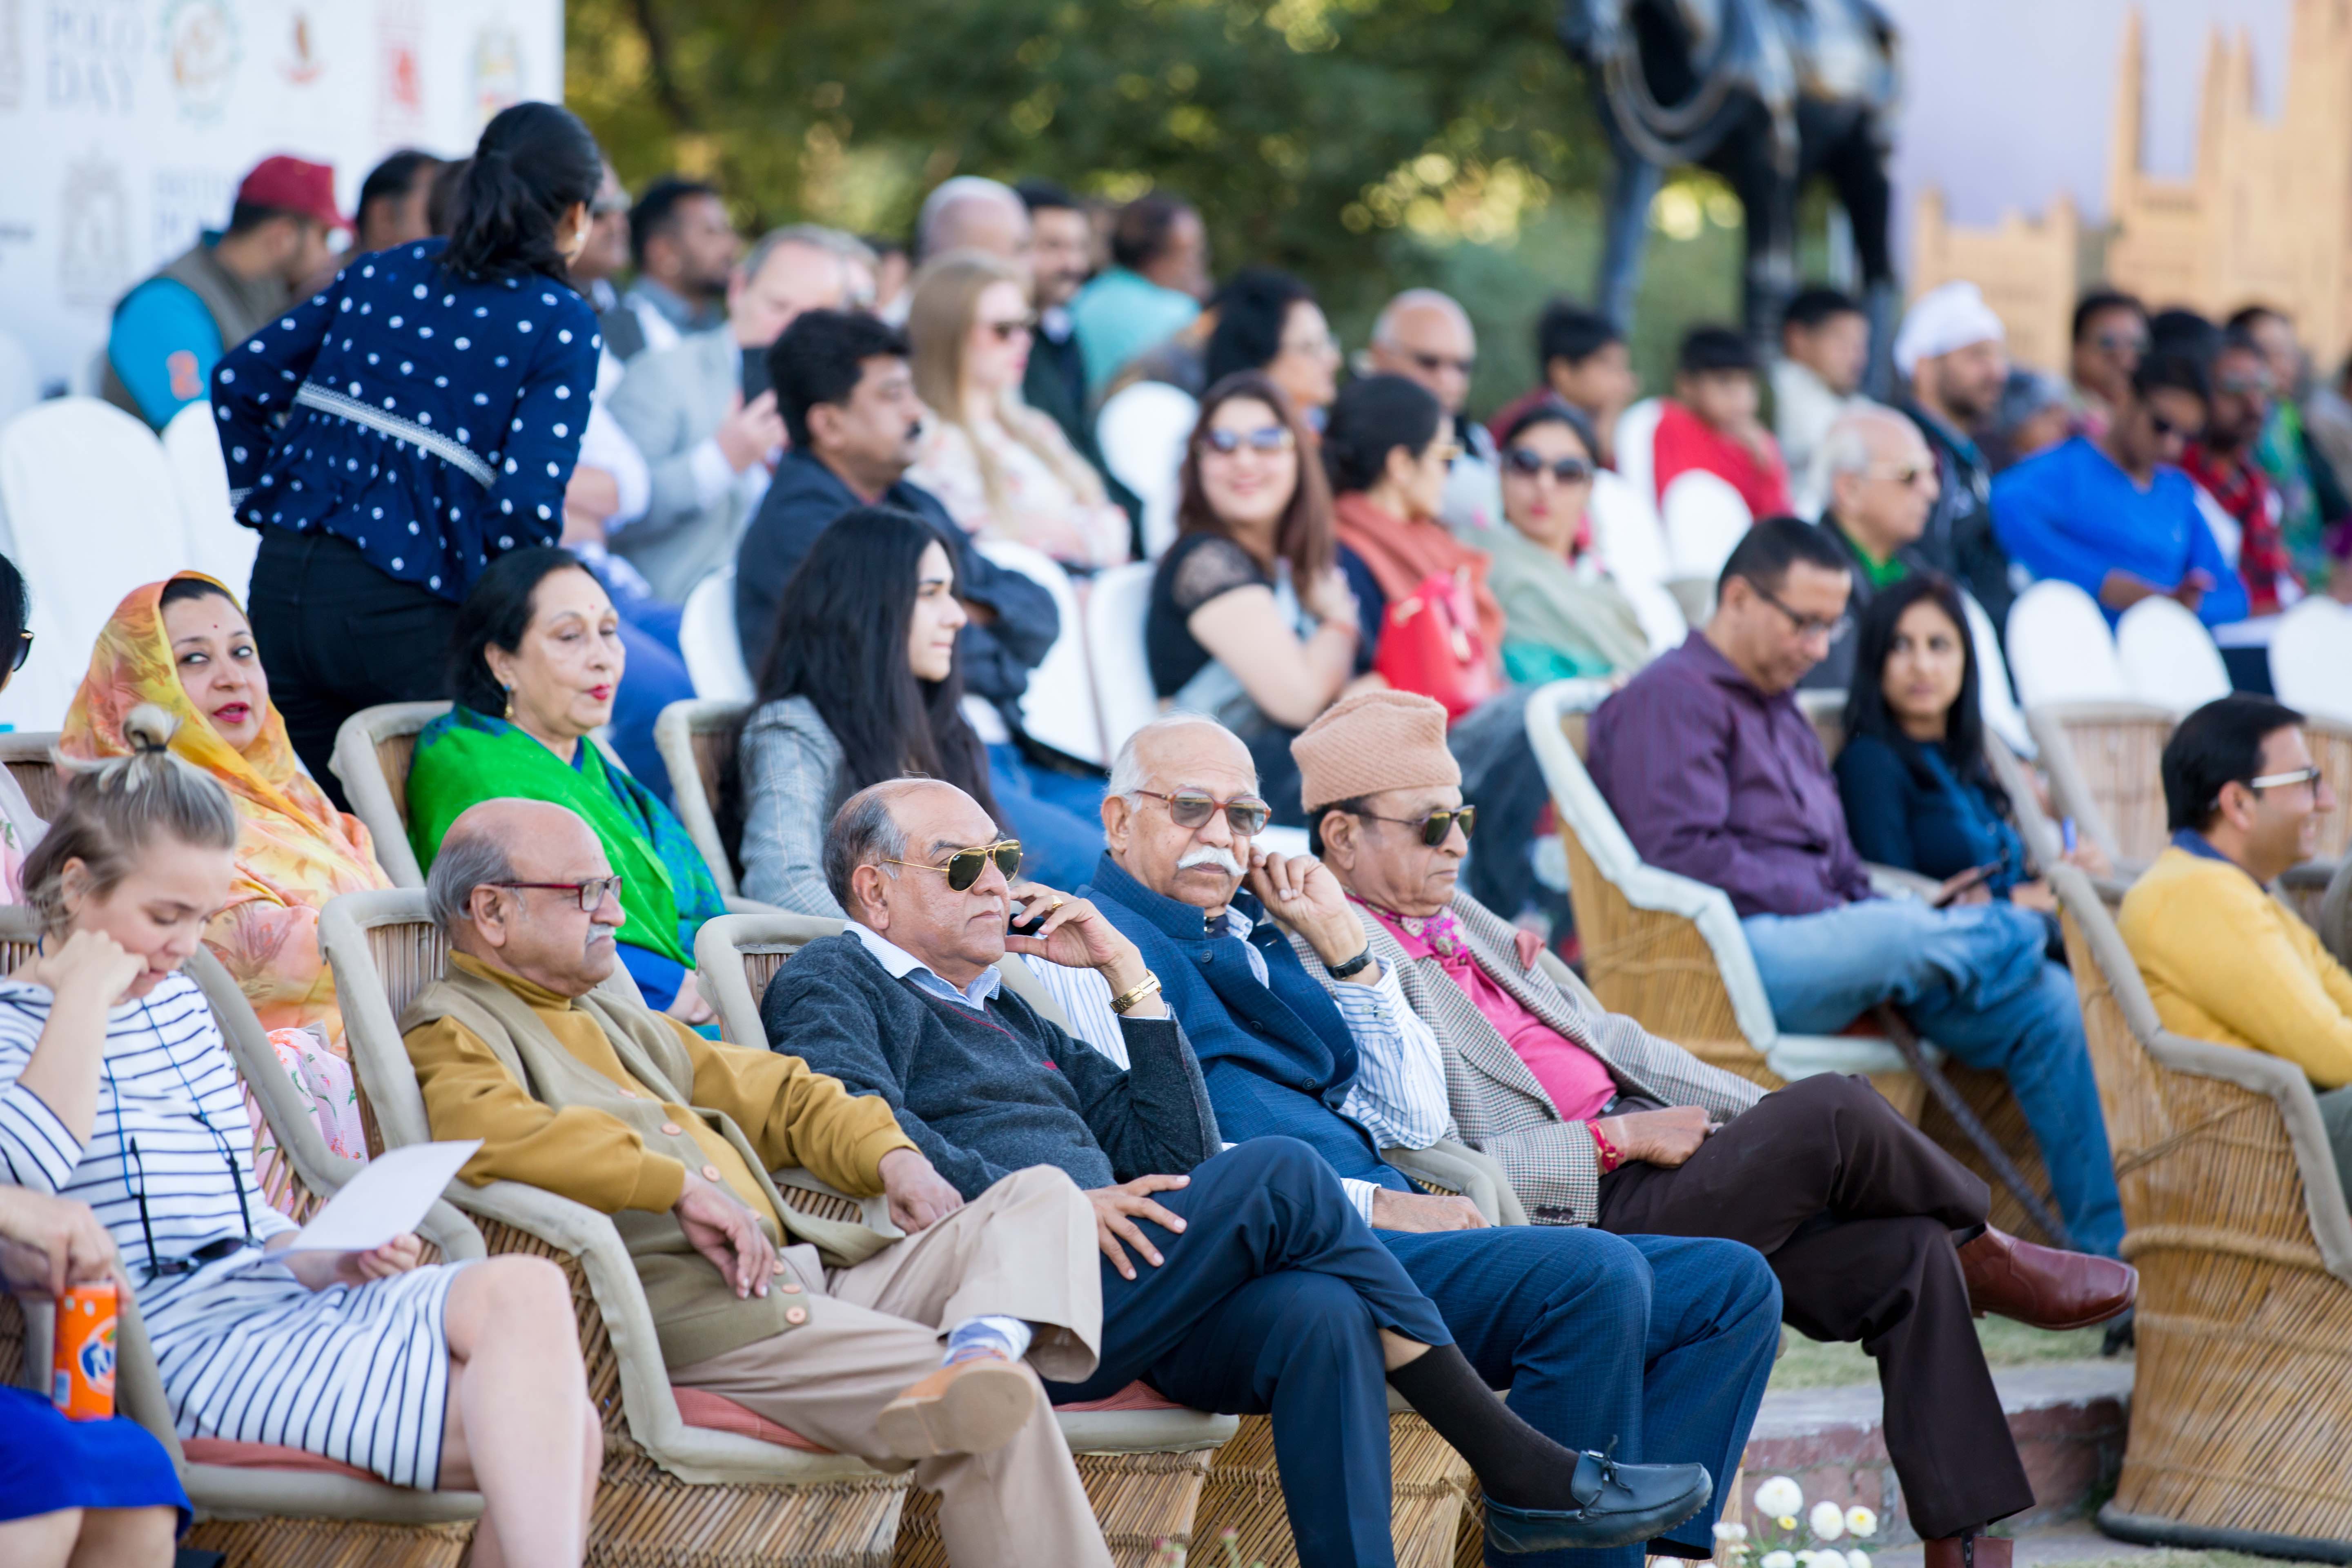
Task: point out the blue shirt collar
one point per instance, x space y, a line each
2189 841
905 965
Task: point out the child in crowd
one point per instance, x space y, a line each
1710 423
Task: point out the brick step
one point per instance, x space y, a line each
2069 1419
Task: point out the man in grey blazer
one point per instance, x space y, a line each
1875 1233
703 415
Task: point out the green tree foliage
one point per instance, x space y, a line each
1367 145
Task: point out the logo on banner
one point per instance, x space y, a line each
497 71
399 69
302 66
94 53
94 233
187 202
12 55
202 51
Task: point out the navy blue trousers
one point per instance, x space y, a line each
1661 1343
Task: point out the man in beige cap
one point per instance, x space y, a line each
1877 1234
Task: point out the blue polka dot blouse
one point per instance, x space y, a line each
431 421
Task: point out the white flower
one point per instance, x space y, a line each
1857 1559
1778 1560
1828 1520
1780 1496
1725 1529
1860 1521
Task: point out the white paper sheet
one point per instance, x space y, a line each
392 1195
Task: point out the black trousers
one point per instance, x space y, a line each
1856 1209
337 635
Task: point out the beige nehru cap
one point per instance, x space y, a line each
1374 740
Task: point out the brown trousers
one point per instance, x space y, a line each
1856 1209
1024 1249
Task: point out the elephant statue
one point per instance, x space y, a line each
1767 93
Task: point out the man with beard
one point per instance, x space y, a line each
1953 360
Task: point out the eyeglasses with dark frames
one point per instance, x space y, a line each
962 867
23 652
590 893
1190 809
1436 825
1432 363
1807 626
1527 461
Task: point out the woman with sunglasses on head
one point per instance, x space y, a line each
537 659
1919 795
1251 621
1003 470
862 684
1562 614
116 1089
20 826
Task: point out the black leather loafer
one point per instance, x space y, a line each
1617 1505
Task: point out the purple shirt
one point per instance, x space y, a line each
1716 780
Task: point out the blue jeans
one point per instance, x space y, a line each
1974 981
1056 817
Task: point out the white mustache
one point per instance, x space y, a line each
1215 855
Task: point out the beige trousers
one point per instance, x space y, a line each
1024 1249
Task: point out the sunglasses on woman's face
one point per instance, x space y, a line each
1264 438
1436 825
1015 327
1190 809
23 652
963 868
1567 470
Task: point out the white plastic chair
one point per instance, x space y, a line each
1636 440
93 512
217 544
2060 648
1705 521
20 383
1995 701
1633 545
706 636
1115 611
1058 707
2311 658
1141 431
2169 657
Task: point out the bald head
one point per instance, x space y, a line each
1426 337
540 933
1183 755
969 212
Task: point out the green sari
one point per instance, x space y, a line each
464 758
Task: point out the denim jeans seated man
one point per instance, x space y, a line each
1660 1344
1716 774
1239 1280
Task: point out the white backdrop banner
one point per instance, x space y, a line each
126 125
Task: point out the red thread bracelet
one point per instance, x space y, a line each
1609 1156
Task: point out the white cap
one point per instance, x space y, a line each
1945 319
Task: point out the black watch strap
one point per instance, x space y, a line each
1353 967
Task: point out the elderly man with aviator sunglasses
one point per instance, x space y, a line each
1252 1285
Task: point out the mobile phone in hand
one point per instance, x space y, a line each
1973 877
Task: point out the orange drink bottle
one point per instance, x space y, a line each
83 1386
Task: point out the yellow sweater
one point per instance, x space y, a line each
2225 962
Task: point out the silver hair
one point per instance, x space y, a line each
933 218
465 862
1126 775
1846 448
846 249
1385 325
864 832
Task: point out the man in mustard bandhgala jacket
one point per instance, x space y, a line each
2223 960
827 1327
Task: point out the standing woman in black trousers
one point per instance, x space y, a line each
394 434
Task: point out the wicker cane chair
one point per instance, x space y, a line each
2236 1220
2103 763
1669 952
308 1512
1142 1467
672 1495
697 740
30 759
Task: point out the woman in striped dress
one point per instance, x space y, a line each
116 1089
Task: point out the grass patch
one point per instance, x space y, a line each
1811 1363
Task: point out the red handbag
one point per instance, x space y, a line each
1430 644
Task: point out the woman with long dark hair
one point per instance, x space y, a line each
433 398
861 685
1919 793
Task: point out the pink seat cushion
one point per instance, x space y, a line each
716 1413
269 1456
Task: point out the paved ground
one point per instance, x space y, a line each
2078 1544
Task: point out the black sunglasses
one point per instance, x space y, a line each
1567 470
963 867
1436 825
23 651
2163 427
1264 438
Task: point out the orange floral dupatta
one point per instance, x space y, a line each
295 850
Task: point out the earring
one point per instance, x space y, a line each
509 714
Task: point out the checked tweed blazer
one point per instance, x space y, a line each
1500 1107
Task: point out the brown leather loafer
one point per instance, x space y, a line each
971 1407
1971 1550
2042 1286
